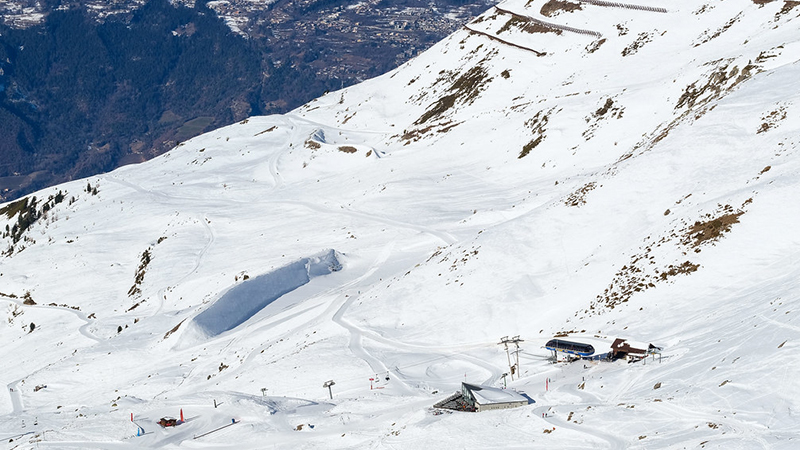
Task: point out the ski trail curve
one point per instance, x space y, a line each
197 261
83 329
355 345
13 388
444 236
358 334
613 442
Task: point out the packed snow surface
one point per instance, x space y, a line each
487 394
627 170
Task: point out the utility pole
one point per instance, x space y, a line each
328 385
504 342
516 340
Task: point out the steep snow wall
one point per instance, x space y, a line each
246 299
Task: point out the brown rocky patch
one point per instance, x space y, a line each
556 7
711 228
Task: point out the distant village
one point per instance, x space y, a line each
409 28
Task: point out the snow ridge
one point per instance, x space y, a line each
244 300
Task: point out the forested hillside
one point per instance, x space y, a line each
78 97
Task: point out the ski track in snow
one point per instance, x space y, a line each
13 387
83 329
356 334
612 441
162 292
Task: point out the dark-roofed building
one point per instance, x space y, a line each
633 351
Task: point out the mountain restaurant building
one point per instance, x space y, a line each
486 398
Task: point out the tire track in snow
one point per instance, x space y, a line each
197 261
357 334
331 309
614 442
296 123
83 329
139 189
277 178
586 399
13 388
444 236
779 324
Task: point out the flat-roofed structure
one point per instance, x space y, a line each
485 398
477 398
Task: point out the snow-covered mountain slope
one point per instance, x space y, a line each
554 167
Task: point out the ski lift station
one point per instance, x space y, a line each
478 398
596 348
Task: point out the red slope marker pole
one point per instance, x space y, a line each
182 415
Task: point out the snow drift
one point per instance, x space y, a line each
243 301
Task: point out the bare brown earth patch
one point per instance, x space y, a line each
174 329
771 119
556 7
712 227
578 197
464 90
787 7
416 134
525 25
698 98
537 124
268 130
640 41
721 80
594 46
608 110
708 35
645 270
